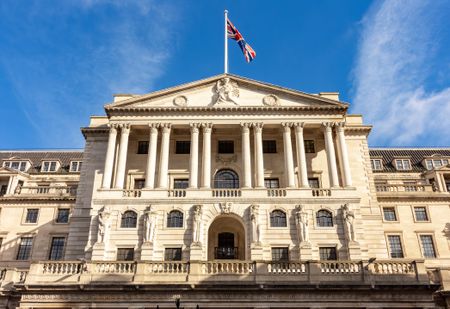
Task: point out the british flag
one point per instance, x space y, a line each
234 34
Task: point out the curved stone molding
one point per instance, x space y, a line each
271 100
180 101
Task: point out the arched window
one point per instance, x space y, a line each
129 219
278 218
324 218
175 219
226 179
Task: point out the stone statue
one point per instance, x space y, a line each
197 224
227 91
301 221
254 214
104 224
349 218
18 188
150 221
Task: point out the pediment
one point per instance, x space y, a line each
225 90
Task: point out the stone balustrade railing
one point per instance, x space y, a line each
226 193
276 192
403 188
195 272
46 191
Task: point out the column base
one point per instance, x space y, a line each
147 251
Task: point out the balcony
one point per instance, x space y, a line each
226 253
407 191
44 192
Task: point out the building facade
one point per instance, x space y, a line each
226 193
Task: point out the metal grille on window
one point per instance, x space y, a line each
226 179
309 146
395 246
324 218
180 183
278 218
271 183
421 213
125 254
25 246
172 254
280 254
389 214
32 215
183 147
63 215
427 246
327 253
129 219
175 219
57 248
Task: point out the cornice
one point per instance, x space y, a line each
89 131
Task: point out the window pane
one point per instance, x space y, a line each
324 218
421 213
63 215
180 183
278 218
125 254
226 179
327 253
183 147
32 215
271 183
389 214
46 166
57 248
139 184
280 254
175 219
172 254
129 219
25 248
395 246
429 164
15 165
226 147
313 182
427 246
142 147
269 146
407 164
52 166
309 146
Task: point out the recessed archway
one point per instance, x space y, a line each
226 239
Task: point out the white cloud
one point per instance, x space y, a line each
395 63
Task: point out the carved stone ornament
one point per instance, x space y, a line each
226 92
271 100
225 160
180 101
225 207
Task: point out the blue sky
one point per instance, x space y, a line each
61 61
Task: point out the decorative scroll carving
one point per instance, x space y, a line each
225 207
271 100
226 91
180 101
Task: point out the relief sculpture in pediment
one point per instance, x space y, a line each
226 91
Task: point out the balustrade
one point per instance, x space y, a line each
232 267
61 268
132 193
287 268
47 190
177 193
340 267
226 193
393 267
167 267
321 192
114 267
276 192
403 188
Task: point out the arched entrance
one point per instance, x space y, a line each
226 239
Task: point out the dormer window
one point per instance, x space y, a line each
435 163
377 164
16 165
49 166
403 164
75 166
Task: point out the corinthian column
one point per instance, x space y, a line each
151 158
259 158
164 156
123 149
109 162
206 156
193 159
301 157
288 157
331 155
246 155
344 154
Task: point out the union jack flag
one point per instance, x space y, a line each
234 34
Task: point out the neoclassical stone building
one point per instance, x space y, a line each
225 193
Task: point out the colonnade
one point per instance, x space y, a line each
205 182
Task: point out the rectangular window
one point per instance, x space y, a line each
395 246
421 213
280 254
32 215
48 166
125 254
271 183
3 189
309 146
389 214
327 253
57 248
377 164
139 184
17 165
429 164
403 164
314 182
183 147
427 246
172 254
226 147
63 215
269 146
75 166
25 246
142 147
180 183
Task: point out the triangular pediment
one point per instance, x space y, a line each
225 90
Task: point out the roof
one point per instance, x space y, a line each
416 155
37 156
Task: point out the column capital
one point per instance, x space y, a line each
113 127
125 127
195 127
165 127
327 126
257 126
340 126
245 126
207 127
299 126
287 126
154 125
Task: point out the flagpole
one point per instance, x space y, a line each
226 44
